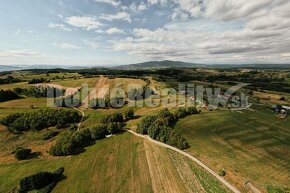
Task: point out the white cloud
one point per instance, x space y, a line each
18 53
88 23
67 46
91 44
161 2
115 31
112 2
119 16
287 55
58 26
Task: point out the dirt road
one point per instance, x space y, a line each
227 184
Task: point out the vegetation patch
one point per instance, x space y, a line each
43 181
40 119
158 127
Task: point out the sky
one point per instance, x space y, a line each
114 32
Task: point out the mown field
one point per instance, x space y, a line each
248 145
122 163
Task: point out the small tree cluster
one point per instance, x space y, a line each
40 181
41 119
9 80
22 153
158 127
6 95
38 80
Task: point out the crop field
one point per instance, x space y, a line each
90 82
25 102
248 145
122 163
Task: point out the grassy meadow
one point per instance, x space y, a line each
248 145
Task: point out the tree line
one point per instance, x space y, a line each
40 91
40 119
159 127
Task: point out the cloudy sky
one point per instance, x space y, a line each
94 32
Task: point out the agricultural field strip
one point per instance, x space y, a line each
98 91
231 187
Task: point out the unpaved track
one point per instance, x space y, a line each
99 91
82 119
227 184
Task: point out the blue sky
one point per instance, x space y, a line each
109 32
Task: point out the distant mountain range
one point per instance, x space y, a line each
149 65
178 64
159 65
38 66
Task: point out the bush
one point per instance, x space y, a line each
22 153
99 132
41 180
49 135
117 117
114 127
222 173
129 114
6 95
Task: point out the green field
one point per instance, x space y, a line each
116 164
248 145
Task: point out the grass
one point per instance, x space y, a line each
247 145
25 102
111 165
77 82
122 163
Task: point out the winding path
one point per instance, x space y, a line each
222 180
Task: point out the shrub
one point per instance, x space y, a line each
129 114
117 117
6 95
114 127
222 173
99 132
41 180
49 135
22 153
